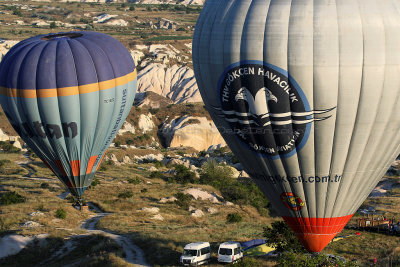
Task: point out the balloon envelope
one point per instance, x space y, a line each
67 95
306 94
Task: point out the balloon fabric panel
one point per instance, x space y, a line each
306 94
67 95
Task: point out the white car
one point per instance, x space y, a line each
229 252
196 254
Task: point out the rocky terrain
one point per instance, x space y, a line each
154 2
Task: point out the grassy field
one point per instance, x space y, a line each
161 240
79 16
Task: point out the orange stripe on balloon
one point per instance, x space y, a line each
92 160
316 233
69 91
76 167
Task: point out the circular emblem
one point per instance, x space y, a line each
292 201
265 108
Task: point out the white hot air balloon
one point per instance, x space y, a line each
306 94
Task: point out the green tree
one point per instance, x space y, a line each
52 25
215 174
281 237
184 175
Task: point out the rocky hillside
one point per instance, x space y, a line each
154 2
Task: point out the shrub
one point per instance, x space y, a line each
4 225
184 175
154 110
240 192
132 8
102 168
144 190
17 13
156 174
44 185
126 194
281 237
215 174
94 183
183 200
52 25
202 153
11 198
4 162
291 258
234 217
61 214
8 147
134 180
158 164
247 262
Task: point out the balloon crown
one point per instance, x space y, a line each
66 35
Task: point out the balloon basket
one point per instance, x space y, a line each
79 205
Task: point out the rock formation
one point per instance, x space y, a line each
181 132
145 123
176 83
126 128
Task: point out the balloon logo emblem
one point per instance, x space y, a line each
292 201
266 108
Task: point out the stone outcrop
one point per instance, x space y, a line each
172 2
149 158
102 18
180 132
126 128
176 82
145 123
197 213
163 24
199 194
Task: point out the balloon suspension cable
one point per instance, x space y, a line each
79 202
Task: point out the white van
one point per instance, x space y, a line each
196 254
230 252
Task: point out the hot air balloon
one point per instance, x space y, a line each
67 95
306 94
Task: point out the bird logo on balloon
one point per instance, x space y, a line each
266 109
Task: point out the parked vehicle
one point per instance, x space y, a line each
196 254
230 252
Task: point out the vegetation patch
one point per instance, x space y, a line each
11 198
126 194
134 180
234 217
61 214
243 192
8 147
183 200
183 175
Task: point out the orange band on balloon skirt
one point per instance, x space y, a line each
316 233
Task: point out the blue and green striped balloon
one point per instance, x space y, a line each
67 95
